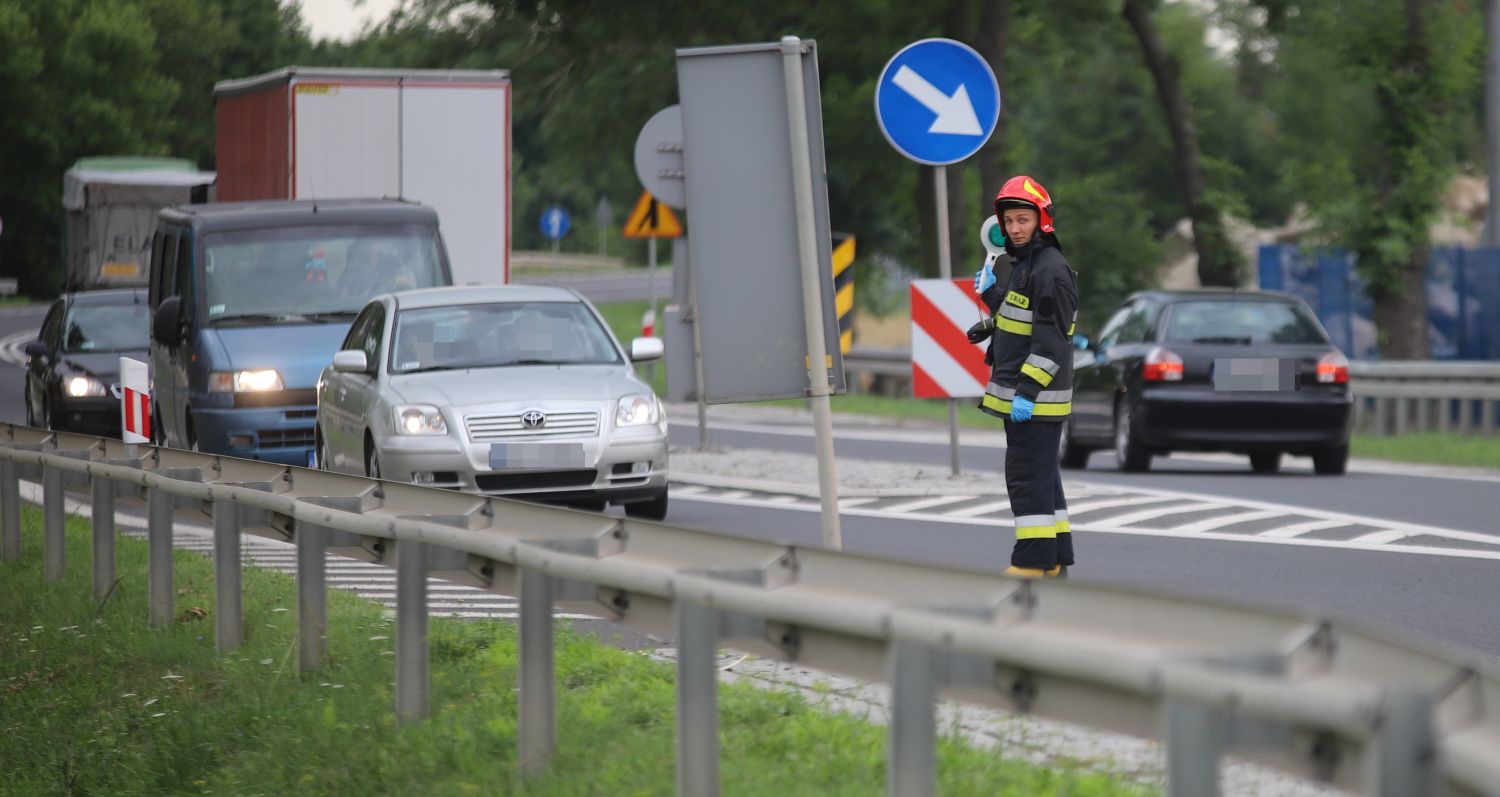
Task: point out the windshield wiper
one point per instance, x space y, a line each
1223 339
533 361
260 317
426 368
324 316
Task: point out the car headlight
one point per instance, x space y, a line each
80 386
245 381
420 419
637 410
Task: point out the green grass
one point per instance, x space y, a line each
18 301
94 702
1431 448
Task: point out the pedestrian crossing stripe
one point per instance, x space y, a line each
652 219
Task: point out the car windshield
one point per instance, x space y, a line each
106 328
297 273
496 335
1242 322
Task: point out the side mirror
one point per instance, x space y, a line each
351 361
166 325
646 349
38 348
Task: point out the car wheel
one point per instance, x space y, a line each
372 460
1333 461
1070 454
1265 461
1133 455
653 509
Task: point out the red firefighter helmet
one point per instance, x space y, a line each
1024 191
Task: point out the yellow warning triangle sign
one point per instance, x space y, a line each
652 219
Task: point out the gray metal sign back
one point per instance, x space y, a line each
658 157
742 206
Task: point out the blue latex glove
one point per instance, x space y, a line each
985 277
1020 409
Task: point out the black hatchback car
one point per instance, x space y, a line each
1212 370
73 367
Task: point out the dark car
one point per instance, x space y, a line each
73 367
1214 370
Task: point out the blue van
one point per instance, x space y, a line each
249 302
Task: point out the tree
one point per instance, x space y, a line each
1218 262
1385 95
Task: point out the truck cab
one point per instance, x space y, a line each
249 302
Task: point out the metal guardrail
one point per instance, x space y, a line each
1397 397
1311 697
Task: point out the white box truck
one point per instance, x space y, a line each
439 137
111 204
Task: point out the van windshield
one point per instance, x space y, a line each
313 273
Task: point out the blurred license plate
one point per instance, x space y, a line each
1242 374
536 455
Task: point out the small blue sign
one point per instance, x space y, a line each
937 101
555 222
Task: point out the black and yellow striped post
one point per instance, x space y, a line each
843 287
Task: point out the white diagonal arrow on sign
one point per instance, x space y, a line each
955 114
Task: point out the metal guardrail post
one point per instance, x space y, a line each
1405 748
697 701
1195 740
159 507
229 623
912 760
103 505
411 632
10 511
538 689
54 535
312 596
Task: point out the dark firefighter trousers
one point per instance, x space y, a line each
1044 538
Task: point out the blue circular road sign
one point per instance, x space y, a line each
555 222
937 101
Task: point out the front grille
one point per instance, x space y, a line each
278 398
494 482
484 428
300 415
285 438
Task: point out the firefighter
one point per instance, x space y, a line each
1030 328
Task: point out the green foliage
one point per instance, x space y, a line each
94 702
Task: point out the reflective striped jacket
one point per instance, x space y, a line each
1031 350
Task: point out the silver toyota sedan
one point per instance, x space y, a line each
502 390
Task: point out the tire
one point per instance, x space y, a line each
320 448
1070 454
1129 449
372 460
1332 461
652 509
1265 461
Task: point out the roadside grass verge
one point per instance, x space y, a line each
1431 448
94 702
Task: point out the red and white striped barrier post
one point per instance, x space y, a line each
135 401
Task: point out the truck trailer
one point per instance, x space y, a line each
438 137
111 205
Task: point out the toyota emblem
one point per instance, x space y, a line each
533 419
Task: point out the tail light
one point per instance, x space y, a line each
1162 366
1333 369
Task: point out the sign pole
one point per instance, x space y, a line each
812 304
945 270
692 297
556 248
651 278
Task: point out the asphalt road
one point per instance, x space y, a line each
1449 599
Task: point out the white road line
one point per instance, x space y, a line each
1160 512
686 489
735 495
984 508
927 503
850 503
1288 532
1111 503
1227 520
1382 537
